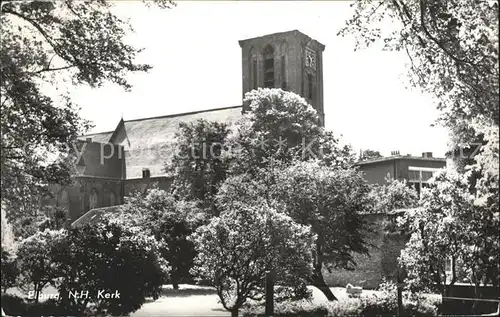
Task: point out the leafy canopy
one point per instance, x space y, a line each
236 249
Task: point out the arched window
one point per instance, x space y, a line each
62 199
283 72
269 67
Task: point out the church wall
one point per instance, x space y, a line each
376 173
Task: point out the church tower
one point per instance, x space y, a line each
289 60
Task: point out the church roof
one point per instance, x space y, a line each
101 137
148 142
94 216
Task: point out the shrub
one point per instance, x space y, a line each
16 306
236 250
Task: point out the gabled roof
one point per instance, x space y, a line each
148 142
94 216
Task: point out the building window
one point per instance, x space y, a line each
254 73
146 173
62 199
112 198
269 67
310 87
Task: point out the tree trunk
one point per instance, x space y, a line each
234 312
318 282
317 279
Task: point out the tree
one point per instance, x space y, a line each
327 199
170 222
44 43
236 249
197 164
35 256
109 259
451 226
330 200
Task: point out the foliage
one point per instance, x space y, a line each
450 226
10 270
197 162
170 222
392 196
370 155
35 256
236 249
17 306
279 127
110 259
45 43
330 200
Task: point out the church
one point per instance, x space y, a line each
112 164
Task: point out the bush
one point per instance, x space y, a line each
13 305
10 270
236 249
16 306
35 256
349 307
296 308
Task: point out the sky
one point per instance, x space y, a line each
196 61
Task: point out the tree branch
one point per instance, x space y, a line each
435 40
39 28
